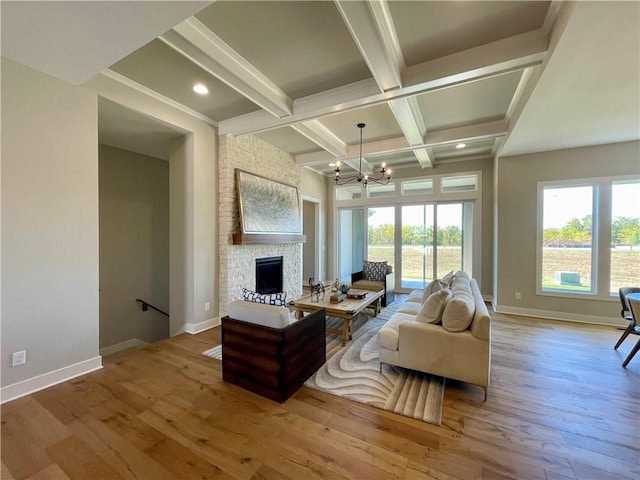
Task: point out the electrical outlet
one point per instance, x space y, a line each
518 296
207 307
19 358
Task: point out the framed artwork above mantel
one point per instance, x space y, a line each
269 211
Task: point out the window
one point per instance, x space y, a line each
567 260
417 187
460 184
625 235
375 191
583 225
349 193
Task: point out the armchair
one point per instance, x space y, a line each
359 280
267 353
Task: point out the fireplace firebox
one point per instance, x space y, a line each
269 275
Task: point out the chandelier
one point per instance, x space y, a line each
382 179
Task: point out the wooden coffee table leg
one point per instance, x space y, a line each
346 331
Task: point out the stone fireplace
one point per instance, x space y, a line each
238 262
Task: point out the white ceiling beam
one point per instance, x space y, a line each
373 32
502 56
507 55
372 28
196 42
423 157
467 133
322 136
409 117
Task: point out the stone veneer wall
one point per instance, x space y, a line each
237 262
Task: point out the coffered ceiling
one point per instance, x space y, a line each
424 76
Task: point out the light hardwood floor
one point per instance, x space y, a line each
560 406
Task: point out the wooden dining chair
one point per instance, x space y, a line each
626 312
635 314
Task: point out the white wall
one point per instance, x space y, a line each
49 229
517 179
193 211
134 246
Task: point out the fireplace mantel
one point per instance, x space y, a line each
267 239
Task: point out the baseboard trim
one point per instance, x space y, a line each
563 316
118 347
46 380
194 328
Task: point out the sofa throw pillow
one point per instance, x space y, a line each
374 271
431 310
278 299
458 313
448 278
462 274
432 288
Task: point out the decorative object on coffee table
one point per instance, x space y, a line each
317 288
336 297
356 293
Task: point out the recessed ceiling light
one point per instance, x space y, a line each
332 164
461 145
200 89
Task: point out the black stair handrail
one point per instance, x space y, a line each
146 305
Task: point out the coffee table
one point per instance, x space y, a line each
347 310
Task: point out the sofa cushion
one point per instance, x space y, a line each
458 313
388 334
368 285
279 299
259 313
414 299
433 287
412 308
431 310
375 271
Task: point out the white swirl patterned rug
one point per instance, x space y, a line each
353 372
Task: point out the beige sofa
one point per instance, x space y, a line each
446 349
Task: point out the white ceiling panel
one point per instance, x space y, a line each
433 29
470 103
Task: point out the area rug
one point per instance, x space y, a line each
353 372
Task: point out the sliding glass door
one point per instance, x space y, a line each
417 245
434 241
381 232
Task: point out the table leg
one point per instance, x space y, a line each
299 314
346 331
